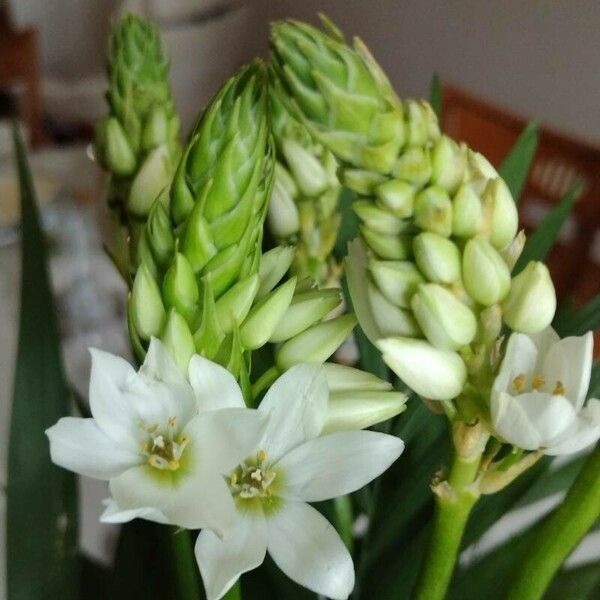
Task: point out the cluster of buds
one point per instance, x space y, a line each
202 284
304 208
439 227
138 141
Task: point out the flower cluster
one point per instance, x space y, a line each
188 452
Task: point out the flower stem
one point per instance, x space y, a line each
264 381
560 533
185 569
454 500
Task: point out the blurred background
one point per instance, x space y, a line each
501 63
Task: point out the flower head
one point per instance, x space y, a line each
538 397
291 466
161 442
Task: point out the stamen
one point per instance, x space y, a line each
152 428
519 382
159 442
538 382
262 456
559 389
172 421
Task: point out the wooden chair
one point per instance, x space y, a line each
560 159
19 61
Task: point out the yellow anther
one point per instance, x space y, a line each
172 421
262 456
519 382
559 389
538 382
256 475
145 447
233 478
173 465
269 492
152 428
153 461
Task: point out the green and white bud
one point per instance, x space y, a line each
513 251
151 180
485 274
432 373
437 257
379 220
342 378
397 280
305 309
273 266
113 149
501 216
159 234
361 181
309 174
265 315
448 164
447 322
180 290
392 247
413 166
178 339
234 305
283 217
156 129
398 196
316 344
147 309
531 302
391 320
467 212
433 211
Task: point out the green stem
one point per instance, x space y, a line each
264 381
560 533
185 568
454 500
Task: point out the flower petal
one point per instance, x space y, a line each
108 378
520 358
544 340
159 364
112 514
585 433
308 549
81 446
569 362
532 420
337 464
222 562
226 437
297 402
214 386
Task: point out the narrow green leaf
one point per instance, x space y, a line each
516 165
579 583
349 224
435 96
41 512
594 389
540 242
577 321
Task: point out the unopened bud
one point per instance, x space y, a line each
418 120
393 247
413 166
353 410
531 302
233 306
513 251
283 216
159 234
180 289
113 149
274 264
178 339
449 163
390 319
437 257
432 373
310 176
485 274
305 309
156 129
500 210
147 310
152 179
397 280
398 196
447 322
316 344
342 377
265 315
378 219
433 210
360 181
480 171
467 212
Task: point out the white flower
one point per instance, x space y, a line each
539 394
293 466
159 440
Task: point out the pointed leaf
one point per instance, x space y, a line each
515 167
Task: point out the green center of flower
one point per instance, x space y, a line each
163 450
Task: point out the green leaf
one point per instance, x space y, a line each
540 242
577 321
579 583
41 512
435 96
594 389
349 224
516 165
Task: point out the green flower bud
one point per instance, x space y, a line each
286 180
467 212
447 323
273 266
393 247
361 181
485 274
306 309
159 234
316 344
147 310
413 166
397 280
449 163
480 171
309 174
437 257
398 196
501 213
512 252
145 255
178 339
377 219
283 216
156 129
433 211
422 123
390 319
180 290
152 178
353 410
233 306
113 149
209 336
531 302
344 378
265 316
